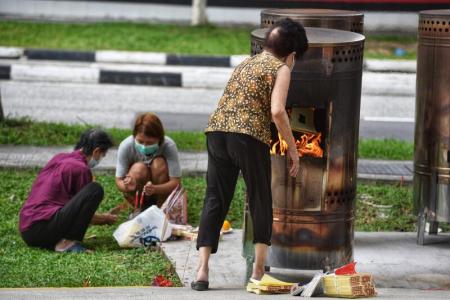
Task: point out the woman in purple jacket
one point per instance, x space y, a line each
63 199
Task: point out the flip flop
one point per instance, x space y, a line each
200 285
75 248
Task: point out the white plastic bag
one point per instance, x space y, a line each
175 206
148 227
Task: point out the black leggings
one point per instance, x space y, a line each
227 154
70 222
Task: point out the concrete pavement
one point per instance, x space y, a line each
401 74
115 293
16 54
40 91
393 258
192 163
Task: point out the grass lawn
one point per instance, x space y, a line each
112 266
210 40
26 132
384 46
386 149
107 266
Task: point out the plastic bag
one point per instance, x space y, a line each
175 207
149 227
348 269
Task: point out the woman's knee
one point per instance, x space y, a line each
139 172
96 190
159 167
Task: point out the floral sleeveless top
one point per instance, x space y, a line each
245 104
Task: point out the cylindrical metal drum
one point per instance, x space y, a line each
313 214
323 18
432 132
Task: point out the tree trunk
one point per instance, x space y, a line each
199 16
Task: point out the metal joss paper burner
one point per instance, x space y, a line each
432 132
313 214
324 18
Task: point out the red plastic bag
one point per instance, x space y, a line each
160 280
348 269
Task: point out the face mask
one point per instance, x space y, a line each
146 150
293 63
93 162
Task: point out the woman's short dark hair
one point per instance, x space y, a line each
93 138
285 37
150 125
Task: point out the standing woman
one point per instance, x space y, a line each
238 138
63 199
147 162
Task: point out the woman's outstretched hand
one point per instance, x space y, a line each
129 183
149 188
294 162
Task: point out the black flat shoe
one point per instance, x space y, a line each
200 285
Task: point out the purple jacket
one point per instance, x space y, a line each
61 179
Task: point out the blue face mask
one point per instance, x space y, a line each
93 162
146 150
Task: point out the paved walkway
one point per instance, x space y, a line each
137 293
394 258
192 163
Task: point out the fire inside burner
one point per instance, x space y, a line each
307 145
308 139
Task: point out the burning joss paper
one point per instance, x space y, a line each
307 145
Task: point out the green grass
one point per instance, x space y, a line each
398 218
196 186
386 149
27 132
108 266
383 46
210 40
112 266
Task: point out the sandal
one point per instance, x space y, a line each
75 248
200 285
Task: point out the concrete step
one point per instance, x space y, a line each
192 163
393 258
391 82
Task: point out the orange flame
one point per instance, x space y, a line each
281 144
307 145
